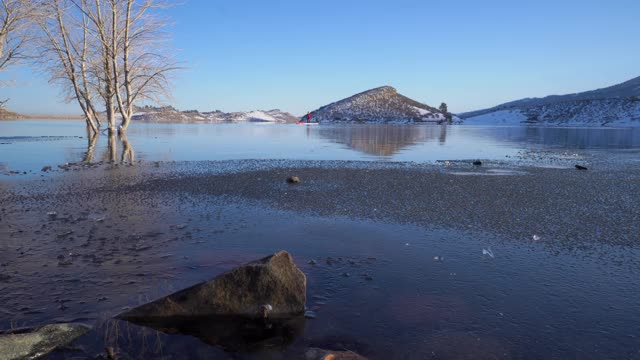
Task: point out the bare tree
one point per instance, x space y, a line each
139 51
96 18
15 30
107 52
67 54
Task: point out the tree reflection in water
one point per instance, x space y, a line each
127 156
92 140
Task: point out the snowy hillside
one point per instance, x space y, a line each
169 114
617 105
380 105
605 112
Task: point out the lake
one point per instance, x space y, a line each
28 145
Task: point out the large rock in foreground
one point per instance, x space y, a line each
36 344
274 282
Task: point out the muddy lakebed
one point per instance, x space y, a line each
523 257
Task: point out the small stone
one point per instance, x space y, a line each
477 163
293 180
321 354
46 168
580 167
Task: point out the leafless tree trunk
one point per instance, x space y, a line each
138 46
92 140
112 149
94 11
66 54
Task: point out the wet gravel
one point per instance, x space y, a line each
564 208
400 242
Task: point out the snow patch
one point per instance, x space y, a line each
502 117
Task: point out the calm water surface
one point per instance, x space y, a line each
30 144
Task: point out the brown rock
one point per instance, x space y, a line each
244 291
293 180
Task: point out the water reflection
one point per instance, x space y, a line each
390 140
570 138
92 141
232 333
382 140
32 144
127 155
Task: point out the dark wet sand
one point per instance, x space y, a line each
125 235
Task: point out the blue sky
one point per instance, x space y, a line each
299 55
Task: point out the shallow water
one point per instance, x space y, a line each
28 145
410 293
383 289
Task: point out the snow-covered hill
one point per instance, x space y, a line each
617 105
170 114
380 105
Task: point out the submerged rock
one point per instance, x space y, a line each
242 292
321 354
37 343
477 163
580 167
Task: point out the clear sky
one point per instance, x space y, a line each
297 55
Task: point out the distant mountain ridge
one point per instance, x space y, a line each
170 114
379 105
613 105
